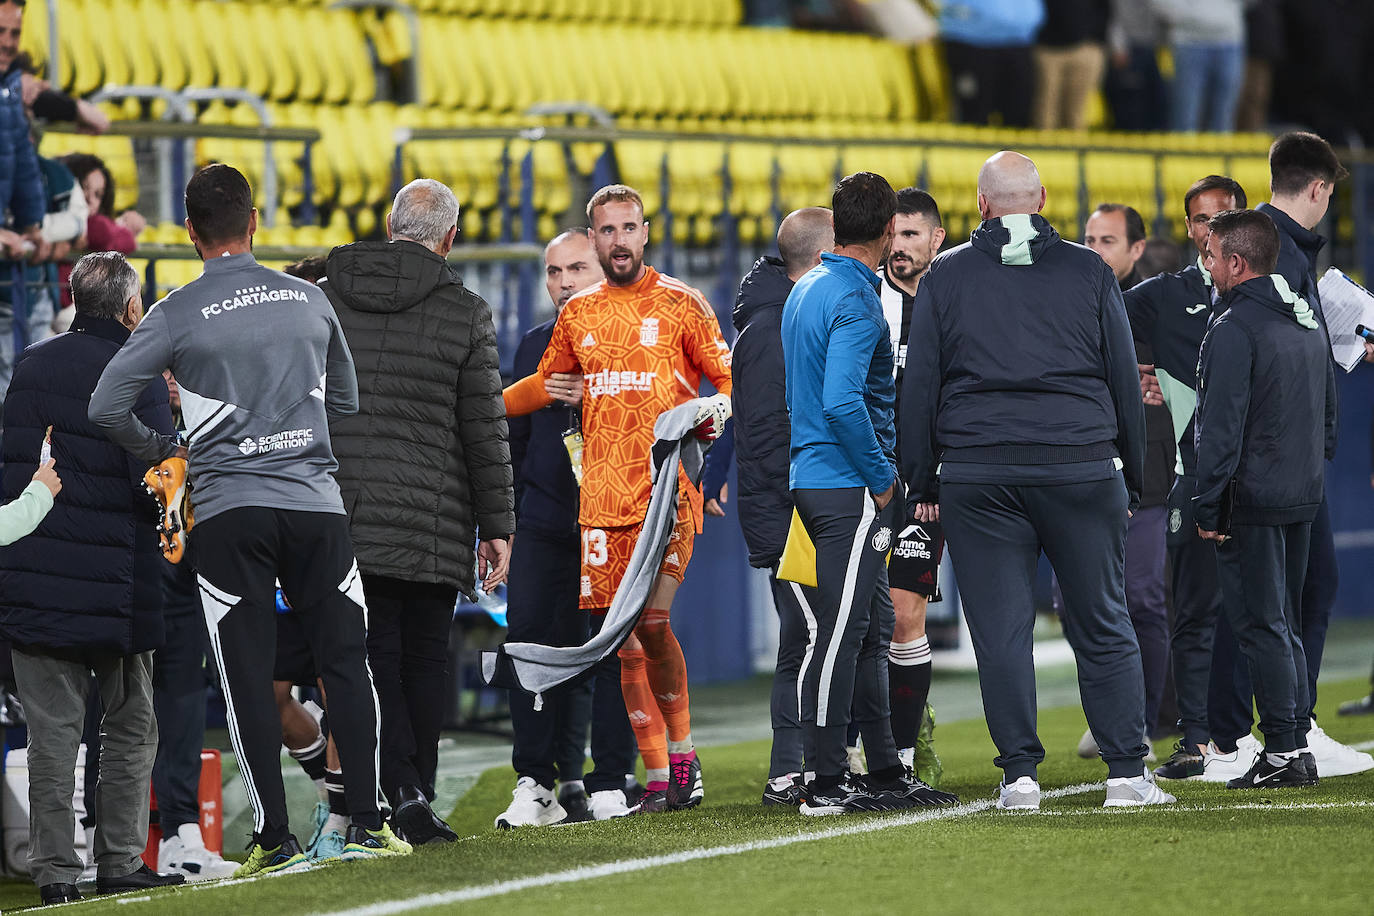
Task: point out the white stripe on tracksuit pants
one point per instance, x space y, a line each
238 555
845 669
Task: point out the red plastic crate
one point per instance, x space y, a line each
211 808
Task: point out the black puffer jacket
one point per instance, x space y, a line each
763 430
90 576
424 465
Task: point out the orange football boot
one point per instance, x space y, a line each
167 483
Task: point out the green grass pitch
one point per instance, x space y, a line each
1295 851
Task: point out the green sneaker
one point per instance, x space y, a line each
282 859
367 844
927 765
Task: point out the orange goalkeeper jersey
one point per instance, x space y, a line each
641 349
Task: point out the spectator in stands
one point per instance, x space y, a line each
765 502
106 621
48 104
984 431
1134 87
1117 233
1303 171
542 599
1069 61
1264 50
21 185
1207 41
104 230
1265 365
416 509
65 221
988 49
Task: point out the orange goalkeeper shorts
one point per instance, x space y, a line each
606 556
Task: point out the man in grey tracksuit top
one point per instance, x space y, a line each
261 361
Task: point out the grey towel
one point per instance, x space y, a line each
536 668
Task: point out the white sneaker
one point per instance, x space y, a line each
1334 758
1134 791
185 854
1024 794
606 804
531 805
1219 767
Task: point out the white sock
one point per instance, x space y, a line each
321 790
684 746
656 775
911 653
335 823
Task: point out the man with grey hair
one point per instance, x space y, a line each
83 596
1039 446
425 470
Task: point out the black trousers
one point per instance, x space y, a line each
991 81
1211 681
845 666
794 604
408 625
542 607
238 555
1261 569
1318 599
179 700
1147 601
995 533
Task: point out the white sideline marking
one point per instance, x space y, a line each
588 872
1204 809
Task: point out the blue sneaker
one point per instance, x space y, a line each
318 818
326 848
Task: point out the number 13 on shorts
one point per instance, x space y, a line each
593 547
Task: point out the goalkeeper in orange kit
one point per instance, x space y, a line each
641 342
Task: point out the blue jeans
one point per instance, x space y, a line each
1206 87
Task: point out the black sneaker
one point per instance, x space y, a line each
788 795
1185 763
1309 765
574 801
907 791
849 796
1364 706
651 802
684 783
1264 775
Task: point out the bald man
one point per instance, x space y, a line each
1023 429
542 594
762 434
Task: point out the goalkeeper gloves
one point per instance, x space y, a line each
711 416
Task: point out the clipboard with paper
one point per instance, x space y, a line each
1345 305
